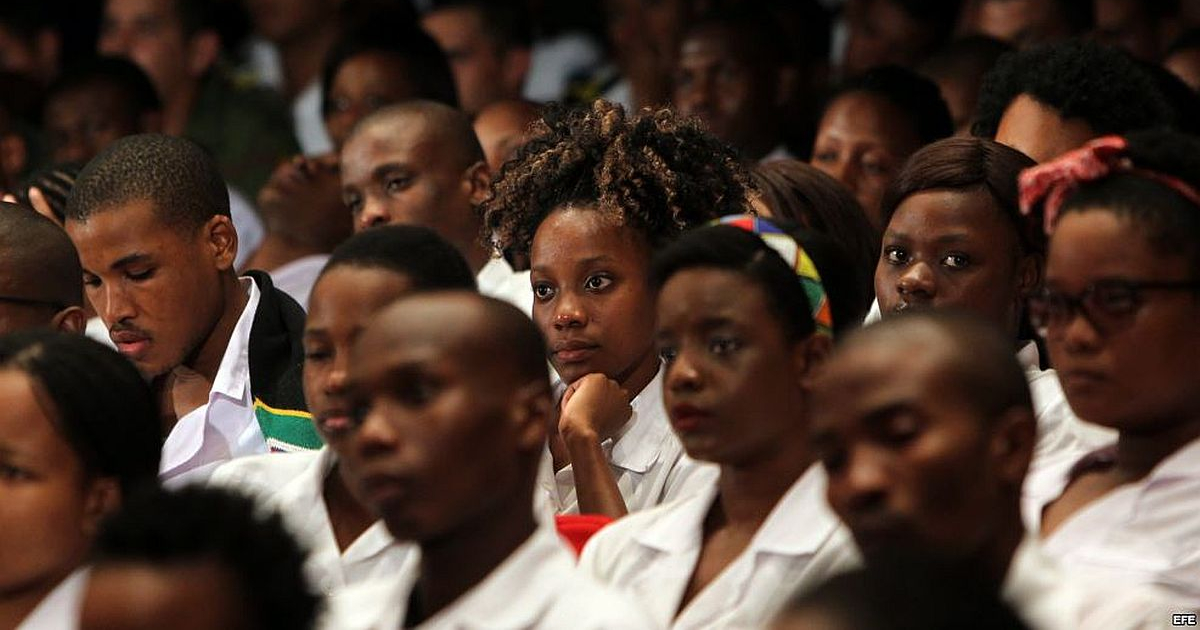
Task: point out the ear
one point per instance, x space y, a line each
516 66
14 157
478 181
1011 449
71 320
810 355
222 239
203 49
1031 268
531 411
103 498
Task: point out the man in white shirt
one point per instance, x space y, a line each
925 427
150 218
452 401
419 163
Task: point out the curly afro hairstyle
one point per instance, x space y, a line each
657 172
1079 79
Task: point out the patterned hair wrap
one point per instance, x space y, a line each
794 255
1050 183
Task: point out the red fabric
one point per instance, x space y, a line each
1050 183
576 529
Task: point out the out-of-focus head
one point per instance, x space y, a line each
174 41
955 237
451 400
417 163
40 278
1048 100
197 559
378 63
872 124
364 274
958 69
588 198
289 22
1135 26
502 128
1119 328
150 219
733 72
78 434
1183 58
94 104
488 45
897 32
925 426
646 33
1025 23
30 40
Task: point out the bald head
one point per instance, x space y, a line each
37 259
976 360
440 125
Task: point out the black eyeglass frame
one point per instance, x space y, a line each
1038 303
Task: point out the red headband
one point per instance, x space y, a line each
1050 183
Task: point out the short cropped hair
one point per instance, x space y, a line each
98 401
1081 79
40 254
917 98
429 261
178 177
210 525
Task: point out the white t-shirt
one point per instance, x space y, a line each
293 485
652 555
537 586
646 458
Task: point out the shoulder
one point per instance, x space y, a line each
262 476
589 605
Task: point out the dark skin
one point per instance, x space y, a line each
734 391
1134 373
432 369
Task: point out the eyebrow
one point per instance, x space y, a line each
130 259
591 260
383 169
955 237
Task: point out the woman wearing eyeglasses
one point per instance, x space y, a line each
955 238
1120 313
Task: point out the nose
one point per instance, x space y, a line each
115 305
862 487
846 172
335 381
373 214
1078 333
568 312
375 435
682 374
697 96
917 281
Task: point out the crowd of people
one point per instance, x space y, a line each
620 314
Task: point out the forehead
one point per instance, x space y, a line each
407 140
134 9
1039 131
708 295
1083 243
24 425
374 70
868 119
441 331
583 233
930 214
123 228
874 375
715 40
348 289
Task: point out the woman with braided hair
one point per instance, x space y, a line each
588 200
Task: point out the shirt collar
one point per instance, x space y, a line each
638 446
233 376
1182 464
1029 358
679 528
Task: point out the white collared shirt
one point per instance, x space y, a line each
225 427
293 484
537 586
646 458
60 608
653 554
1048 597
498 280
1146 532
1062 437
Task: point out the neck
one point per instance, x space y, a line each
348 516
749 492
455 563
277 250
477 257
638 377
998 556
207 360
178 108
302 56
1139 453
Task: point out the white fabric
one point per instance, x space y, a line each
652 556
297 277
307 122
622 93
646 458
248 224
537 586
96 330
554 61
780 152
293 484
225 427
1047 597
60 608
1146 532
498 280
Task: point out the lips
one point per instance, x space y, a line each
1079 379
573 350
687 418
131 343
333 421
